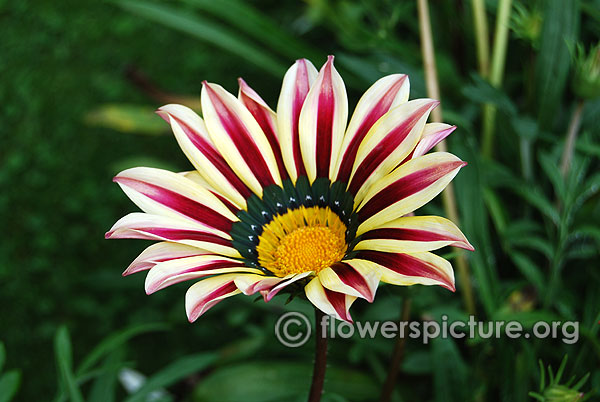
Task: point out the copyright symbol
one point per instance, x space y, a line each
292 338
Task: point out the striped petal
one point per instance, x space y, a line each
384 95
414 234
433 134
296 84
139 225
357 278
161 192
266 119
174 271
206 293
388 142
410 269
161 252
407 188
322 122
250 284
239 138
192 136
197 178
330 302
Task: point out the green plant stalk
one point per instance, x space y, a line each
481 36
496 73
572 132
448 197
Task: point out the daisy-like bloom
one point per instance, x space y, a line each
297 198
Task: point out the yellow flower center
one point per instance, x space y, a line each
305 239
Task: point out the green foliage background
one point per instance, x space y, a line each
72 117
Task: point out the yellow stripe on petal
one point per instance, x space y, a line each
358 278
206 293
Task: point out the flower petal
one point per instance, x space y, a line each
322 122
410 269
239 138
269 294
166 193
407 188
160 252
139 225
206 293
433 134
266 119
384 95
296 84
197 178
330 302
353 277
193 138
414 234
250 284
174 271
389 141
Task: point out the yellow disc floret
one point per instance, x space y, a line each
301 240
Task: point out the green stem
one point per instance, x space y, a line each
320 365
572 132
448 197
481 36
496 73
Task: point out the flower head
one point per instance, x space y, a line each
297 196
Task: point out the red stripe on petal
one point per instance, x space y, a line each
242 139
406 186
380 108
338 302
408 235
302 88
352 278
387 145
199 308
214 157
407 265
264 120
178 203
326 110
183 234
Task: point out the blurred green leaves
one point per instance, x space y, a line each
9 380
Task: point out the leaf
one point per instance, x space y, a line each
174 372
280 381
418 363
126 118
113 342
529 270
2 355
534 197
483 92
64 359
208 31
105 386
9 385
552 171
449 372
558 31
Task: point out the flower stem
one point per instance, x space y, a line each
316 388
448 197
567 155
397 357
481 37
496 73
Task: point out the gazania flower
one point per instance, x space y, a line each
296 198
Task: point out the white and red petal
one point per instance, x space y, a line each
138 225
266 119
391 140
161 252
250 284
206 293
296 84
161 192
322 122
433 134
358 278
239 138
412 234
407 188
384 95
174 271
197 178
410 269
193 138
268 294
331 303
